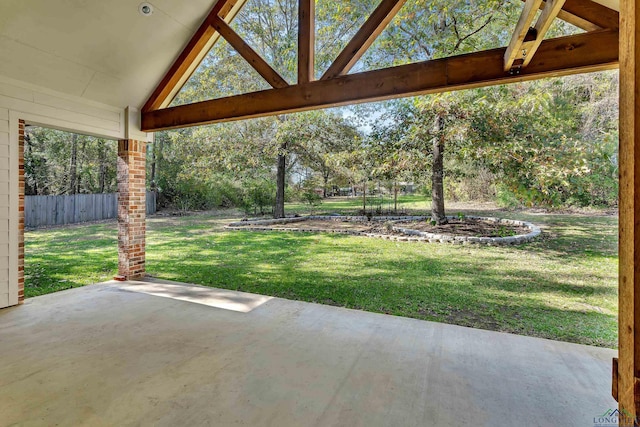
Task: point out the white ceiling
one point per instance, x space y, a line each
611 4
101 50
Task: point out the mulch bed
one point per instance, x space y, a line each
467 227
456 227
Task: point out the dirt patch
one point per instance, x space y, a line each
456 227
467 227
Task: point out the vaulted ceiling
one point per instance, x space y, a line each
103 51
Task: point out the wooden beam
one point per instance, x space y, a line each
256 61
191 56
306 40
549 13
581 23
629 212
588 15
364 38
514 50
592 12
587 52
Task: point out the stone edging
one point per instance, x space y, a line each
409 235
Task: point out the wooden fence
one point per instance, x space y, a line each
41 211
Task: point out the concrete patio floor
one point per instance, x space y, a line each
156 353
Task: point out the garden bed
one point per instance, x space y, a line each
478 230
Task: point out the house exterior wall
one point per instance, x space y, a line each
22 103
7 296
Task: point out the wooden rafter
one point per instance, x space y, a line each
549 13
578 21
585 14
594 51
363 39
593 12
306 40
588 15
260 65
526 41
523 27
189 59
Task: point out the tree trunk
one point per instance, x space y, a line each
437 186
364 197
278 211
28 159
152 183
103 165
80 166
73 167
325 177
395 197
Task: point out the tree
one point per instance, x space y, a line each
73 166
270 27
318 138
425 30
399 154
408 137
281 170
58 162
540 139
438 214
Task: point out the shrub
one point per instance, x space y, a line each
258 196
311 197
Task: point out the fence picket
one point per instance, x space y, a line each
41 211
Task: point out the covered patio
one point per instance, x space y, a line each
129 353
160 353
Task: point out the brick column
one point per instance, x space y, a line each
131 209
21 212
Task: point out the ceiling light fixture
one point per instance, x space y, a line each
145 9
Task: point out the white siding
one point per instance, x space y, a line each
5 297
61 112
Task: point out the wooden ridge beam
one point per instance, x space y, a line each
306 40
595 51
364 38
514 50
251 56
191 56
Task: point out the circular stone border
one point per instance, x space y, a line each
409 235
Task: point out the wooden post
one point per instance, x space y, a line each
306 40
627 374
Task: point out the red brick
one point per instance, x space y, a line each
131 209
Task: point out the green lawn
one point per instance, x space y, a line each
563 286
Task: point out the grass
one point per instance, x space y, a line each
62 258
563 286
